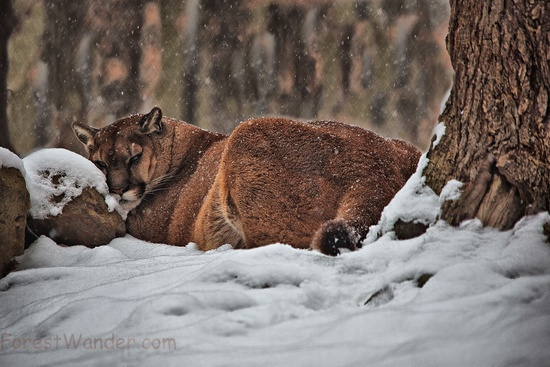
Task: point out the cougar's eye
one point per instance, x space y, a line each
134 159
100 164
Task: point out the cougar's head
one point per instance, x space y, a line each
125 152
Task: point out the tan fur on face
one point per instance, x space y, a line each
311 185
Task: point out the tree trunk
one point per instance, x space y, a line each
189 102
116 56
94 62
62 32
497 139
8 22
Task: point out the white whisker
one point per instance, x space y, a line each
158 183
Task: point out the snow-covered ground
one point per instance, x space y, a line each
133 303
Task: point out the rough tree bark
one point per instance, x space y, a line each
497 139
8 21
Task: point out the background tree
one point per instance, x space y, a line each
8 22
64 92
98 67
379 64
497 139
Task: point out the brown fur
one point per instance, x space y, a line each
313 185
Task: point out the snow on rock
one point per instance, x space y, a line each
414 202
10 159
486 302
57 176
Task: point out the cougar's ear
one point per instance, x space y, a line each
85 134
152 122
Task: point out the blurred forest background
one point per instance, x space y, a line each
380 64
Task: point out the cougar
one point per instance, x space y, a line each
317 185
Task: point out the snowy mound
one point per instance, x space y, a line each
415 202
10 159
452 297
57 176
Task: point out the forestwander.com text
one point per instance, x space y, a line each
79 341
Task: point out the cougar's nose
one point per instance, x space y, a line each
119 190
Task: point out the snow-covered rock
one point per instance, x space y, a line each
57 176
416 206
9 159
414 203
70 202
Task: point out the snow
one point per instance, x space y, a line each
9 159
439 132
487 303
467 296
415 202
56 176
451 191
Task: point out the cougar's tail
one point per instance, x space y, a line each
333 235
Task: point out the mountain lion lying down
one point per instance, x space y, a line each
317 185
